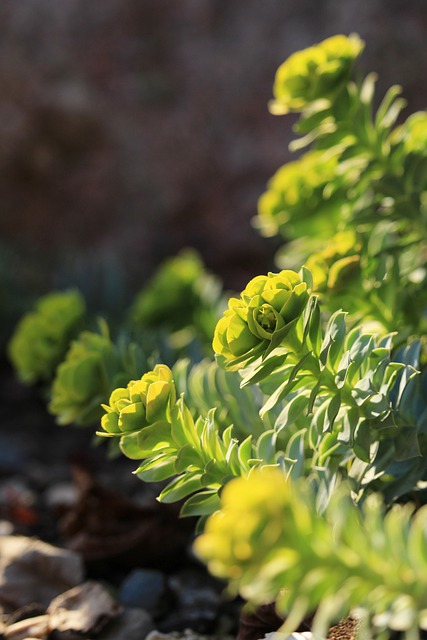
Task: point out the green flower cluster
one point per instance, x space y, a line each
91 370
270 543
267 309
315 73
145 404
42 336
304 198
252 519
195 455
180 296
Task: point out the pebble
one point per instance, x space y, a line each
146 589
194 588
132 624
198 602
6 528
62 494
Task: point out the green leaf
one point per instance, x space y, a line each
244 453
385 105
349 424
334 405
279 337
187 458
367 89
152 439
157 469
266 446
183 430
407 444
181 487
263 369
314 327
281 392
201 504
295 452
335 333
362 442
292 410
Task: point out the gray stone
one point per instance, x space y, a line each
132 624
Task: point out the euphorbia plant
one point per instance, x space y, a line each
314 413
334 354
42 336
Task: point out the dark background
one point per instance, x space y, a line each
132 128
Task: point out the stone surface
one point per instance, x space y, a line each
34 571
132 624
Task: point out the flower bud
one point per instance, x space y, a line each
251 520
142 403
265 307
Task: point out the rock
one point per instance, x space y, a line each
6 528
82 610
132 624
62 494
198 598
145 588
34 571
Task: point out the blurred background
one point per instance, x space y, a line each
130 129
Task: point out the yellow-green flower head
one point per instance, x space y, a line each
42 336
85 378
266 306
315 73
142 403
332 267
298 192
251 521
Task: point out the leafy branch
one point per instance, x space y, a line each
270 544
